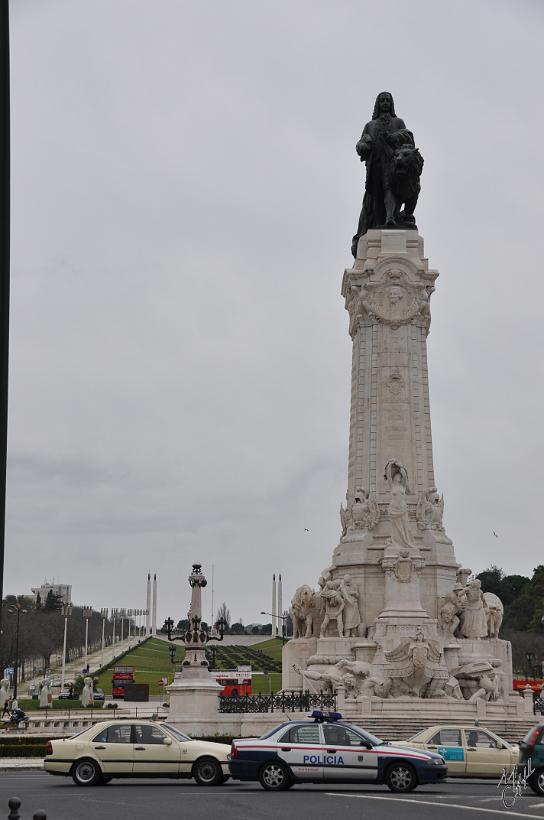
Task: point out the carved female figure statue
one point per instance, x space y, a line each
334 607
43 697
397 481
4 694
87 693
352 615
474 614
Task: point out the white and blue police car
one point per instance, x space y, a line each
329 750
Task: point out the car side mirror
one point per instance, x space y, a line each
167 741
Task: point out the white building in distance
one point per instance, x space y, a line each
63 591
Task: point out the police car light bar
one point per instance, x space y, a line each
320 716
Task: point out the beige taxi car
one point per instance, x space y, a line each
136 748
469 751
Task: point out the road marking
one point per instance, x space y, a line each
432 803
536 806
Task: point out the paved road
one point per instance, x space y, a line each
165 799
73 668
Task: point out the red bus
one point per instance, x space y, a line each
536 684
119 679
235 682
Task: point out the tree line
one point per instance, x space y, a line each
41 634
523 623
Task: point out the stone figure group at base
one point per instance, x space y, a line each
467 612
415 665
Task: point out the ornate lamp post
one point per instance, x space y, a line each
198 635
104 616
66 611
194 691
283 624
17 610
87 613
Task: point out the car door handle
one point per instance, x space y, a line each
99 747
432 747
139 748
331 751
286 748
471 748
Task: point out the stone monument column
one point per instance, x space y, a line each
387 294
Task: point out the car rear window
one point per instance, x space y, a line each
115 734
304 733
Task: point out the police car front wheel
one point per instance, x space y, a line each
401 777
275 777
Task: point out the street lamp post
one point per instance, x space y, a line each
87 613
530 658
114 618
66 610
16 609
104 616
283 619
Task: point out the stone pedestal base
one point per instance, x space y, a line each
296 653
193 698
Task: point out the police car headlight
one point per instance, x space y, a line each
438 761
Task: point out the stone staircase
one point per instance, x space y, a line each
387 728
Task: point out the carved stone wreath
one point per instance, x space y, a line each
394 300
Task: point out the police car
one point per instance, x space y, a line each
328 750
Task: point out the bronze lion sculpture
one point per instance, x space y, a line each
406 172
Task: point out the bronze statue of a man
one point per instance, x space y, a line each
393 167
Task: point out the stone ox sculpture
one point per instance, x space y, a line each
301 612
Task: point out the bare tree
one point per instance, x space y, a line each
223 613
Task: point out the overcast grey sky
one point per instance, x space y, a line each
185 188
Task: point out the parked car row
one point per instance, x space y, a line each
322 749
68 694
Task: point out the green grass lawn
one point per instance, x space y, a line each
31 705
262 684
151 661
272 648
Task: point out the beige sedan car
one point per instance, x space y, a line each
136 748
469 751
